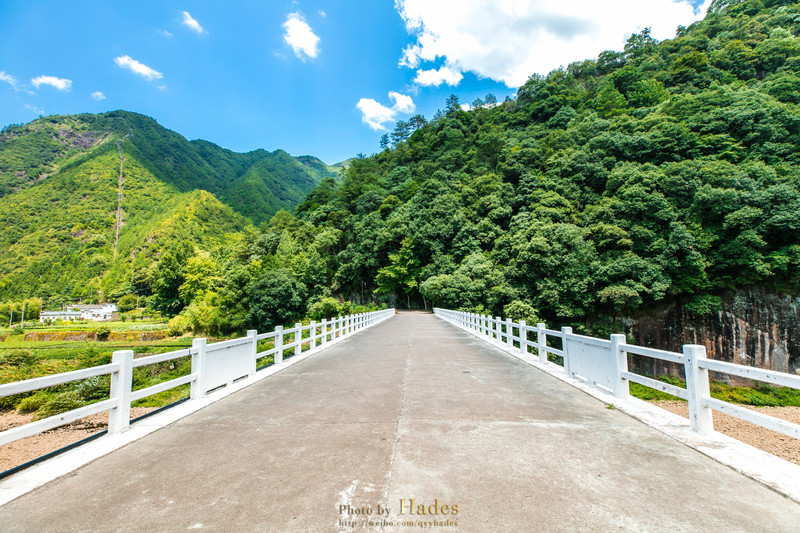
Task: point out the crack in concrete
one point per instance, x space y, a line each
403 408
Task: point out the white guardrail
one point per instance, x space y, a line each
213 366
604 363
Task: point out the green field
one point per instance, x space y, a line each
22 359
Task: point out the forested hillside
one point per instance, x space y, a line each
668 170
88 200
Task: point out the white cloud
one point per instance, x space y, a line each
165 33
436 77
509 40
9 79
300 37
37 110
375 114
191 23
138 68
402 103
98 95
61 84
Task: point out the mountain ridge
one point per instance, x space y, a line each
84 199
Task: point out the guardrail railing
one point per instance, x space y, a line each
603 363
213 366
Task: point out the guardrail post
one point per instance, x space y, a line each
523 338
252 333
198 362
313 332
498 328
119 417
698 389
324 338
298 338
278 357
509 333
485 325
621 385
564 332
541 342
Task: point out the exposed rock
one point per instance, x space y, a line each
754 327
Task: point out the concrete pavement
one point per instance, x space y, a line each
410 416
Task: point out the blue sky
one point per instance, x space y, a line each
325 78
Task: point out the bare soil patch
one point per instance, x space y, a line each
24 450
764 439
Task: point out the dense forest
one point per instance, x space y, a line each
664 172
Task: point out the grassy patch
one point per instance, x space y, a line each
760 394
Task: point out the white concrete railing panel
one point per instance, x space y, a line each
227 364
591 360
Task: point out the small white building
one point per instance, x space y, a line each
64 316
96 313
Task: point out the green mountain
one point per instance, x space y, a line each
85 200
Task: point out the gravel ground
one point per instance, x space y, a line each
22 451
763 439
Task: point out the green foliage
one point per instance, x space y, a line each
178 325
325 307
276 298
127 303
62 402
102 333
518 310
759 395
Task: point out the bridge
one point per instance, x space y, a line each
411 423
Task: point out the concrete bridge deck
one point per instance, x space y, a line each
411 409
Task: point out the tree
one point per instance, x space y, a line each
402 273
402 131
275 298
169 277
201 274
452 105
384 141
127 303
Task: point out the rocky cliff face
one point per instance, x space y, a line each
754 327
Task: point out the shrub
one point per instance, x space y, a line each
95 388
102 333
518 310
66 401
32 403
127 303
178 325
326 307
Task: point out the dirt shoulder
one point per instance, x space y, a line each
22 451
764 439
